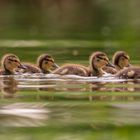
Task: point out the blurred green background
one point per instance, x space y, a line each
70 30
70 19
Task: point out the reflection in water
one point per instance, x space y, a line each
69 114
95 114
76 83
62 113
23 114
115 87
11 84
8 86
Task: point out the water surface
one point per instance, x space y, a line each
51 106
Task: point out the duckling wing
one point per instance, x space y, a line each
72 69
110 70
30 68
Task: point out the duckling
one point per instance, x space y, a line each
45 63
129 73
97 61
9 63
72 69
120 60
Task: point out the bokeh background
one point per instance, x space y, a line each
70 19
38 108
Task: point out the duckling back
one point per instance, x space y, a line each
72 69
110 70
129 73
30 68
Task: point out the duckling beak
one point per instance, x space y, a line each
110 65
55 66
129 65
22 66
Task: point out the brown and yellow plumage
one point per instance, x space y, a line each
97 61
129 73
45 64
120 60
9 63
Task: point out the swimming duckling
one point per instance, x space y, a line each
9 63
73 69
45 64
97 61
120 60
129 73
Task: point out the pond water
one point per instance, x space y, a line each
68 107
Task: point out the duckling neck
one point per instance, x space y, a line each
96 71
7 71
45 71
118 67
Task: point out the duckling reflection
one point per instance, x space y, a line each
115 87
9 87
100 86
67 86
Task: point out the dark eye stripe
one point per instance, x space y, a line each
12 60
102 58
48 59
125 57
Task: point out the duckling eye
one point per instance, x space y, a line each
15 60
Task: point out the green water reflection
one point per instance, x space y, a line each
69 30
40 107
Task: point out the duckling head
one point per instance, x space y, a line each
10 62
121 59
46 63
97 61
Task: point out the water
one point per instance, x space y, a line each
52 107
68 107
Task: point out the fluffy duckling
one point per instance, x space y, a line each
120 60
97 61
129 73
45 63
73 69
9 63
